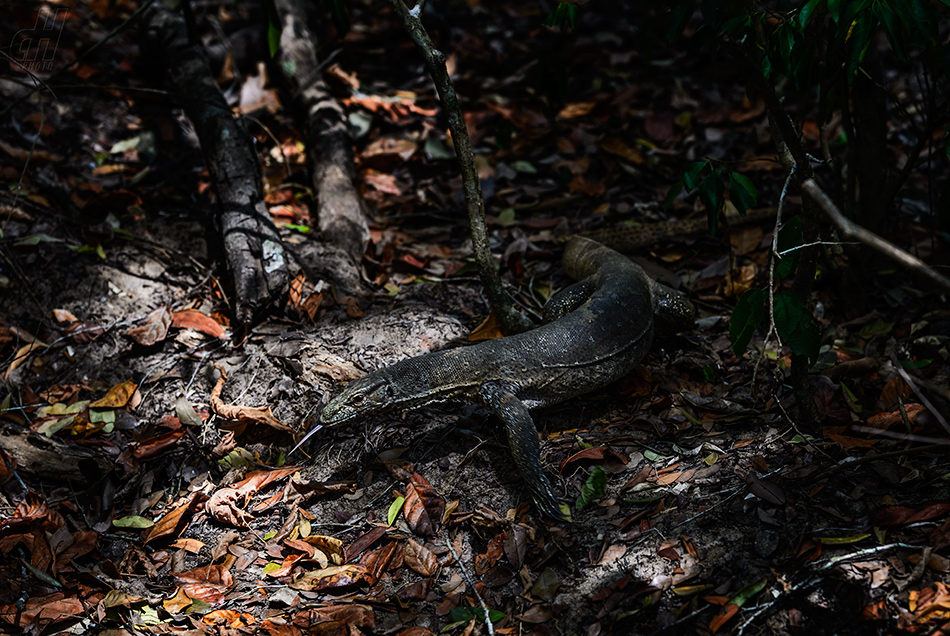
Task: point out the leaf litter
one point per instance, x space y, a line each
211 530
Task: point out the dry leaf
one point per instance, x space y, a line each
420 558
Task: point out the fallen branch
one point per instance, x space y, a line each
327 133
50 458
851 230
255 254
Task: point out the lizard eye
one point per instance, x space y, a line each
357 398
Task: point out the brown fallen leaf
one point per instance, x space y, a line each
904 515
484 562
332 577
887 419
377 561
208 583
226 506
117 397
355 615
536 614
598 455
156 445
424 507
362 542
153 328
173 522
81 333
64 315
193 319
419 558
242 414
230 619
26 154
618 147
259 479
489 329
330 546
576 109
40 611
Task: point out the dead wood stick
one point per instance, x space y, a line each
327 132
51 458
850 230
255 255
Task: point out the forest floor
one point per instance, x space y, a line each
721 511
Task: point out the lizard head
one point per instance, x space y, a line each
368 395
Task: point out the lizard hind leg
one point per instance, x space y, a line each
499 397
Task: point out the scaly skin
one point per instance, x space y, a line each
596 331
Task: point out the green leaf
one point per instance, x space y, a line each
691 176
594 487
789 236
834 10
462 614
653 456
806 12
745 318
273 37
133 521
738 27
711 192
394 510
273 26
677 187
102 415
796 326
861 30
36 239
748 592
892 27
742 192
524 167
919 21
436 150
506 218
564 16
875 328
800 439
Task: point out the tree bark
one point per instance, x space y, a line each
255 255
50 458
327 131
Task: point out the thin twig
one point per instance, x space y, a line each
853 231
511 320
811 582
913 387
471 584
904 437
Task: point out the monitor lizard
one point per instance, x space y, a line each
594 332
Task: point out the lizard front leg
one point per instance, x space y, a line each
499 397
